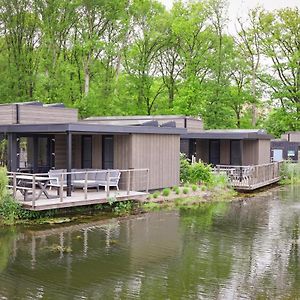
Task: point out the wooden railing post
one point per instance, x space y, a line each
61 187
33 191
107 183
85 185
14 185
128 182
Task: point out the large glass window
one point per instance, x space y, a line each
43 152
26 157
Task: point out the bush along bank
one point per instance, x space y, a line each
198 184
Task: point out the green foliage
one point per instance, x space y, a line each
3 150
177 191
203 187
200 173
136 57
220 180
184 168
3 183
185 190
166 192
290 172
194 187
150 206
123 208
156 194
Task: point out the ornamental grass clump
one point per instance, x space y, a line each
185 190
194 187
166 192
155 194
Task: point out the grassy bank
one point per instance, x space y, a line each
290 173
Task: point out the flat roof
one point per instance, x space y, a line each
82 127
153 117
234 134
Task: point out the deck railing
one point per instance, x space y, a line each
251 177
32 186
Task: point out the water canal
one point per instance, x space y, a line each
239 250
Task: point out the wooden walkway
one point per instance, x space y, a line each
78 199
249 178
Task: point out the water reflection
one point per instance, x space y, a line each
246 249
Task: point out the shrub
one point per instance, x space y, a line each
177 191
3 183
203 187
184 168
200 172
185 190
194 187
174 188
156 194
123 208
166 192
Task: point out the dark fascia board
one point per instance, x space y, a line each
141 118
227 136
88 128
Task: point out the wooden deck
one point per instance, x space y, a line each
78 199
249 178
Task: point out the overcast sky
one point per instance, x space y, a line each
239 8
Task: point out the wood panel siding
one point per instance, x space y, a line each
60 151
250 152
159 153
33 114
194 125
202 150
7 114
294 137
122 151
264 147
225 152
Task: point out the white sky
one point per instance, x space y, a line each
239 8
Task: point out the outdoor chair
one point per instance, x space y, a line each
114 177
55 179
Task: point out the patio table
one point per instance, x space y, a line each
41 181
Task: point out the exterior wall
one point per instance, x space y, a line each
250 152
7 114
264 147
294 137
202 150
225 152
286 146
122 151
60 151
194 125
34 114
159 153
